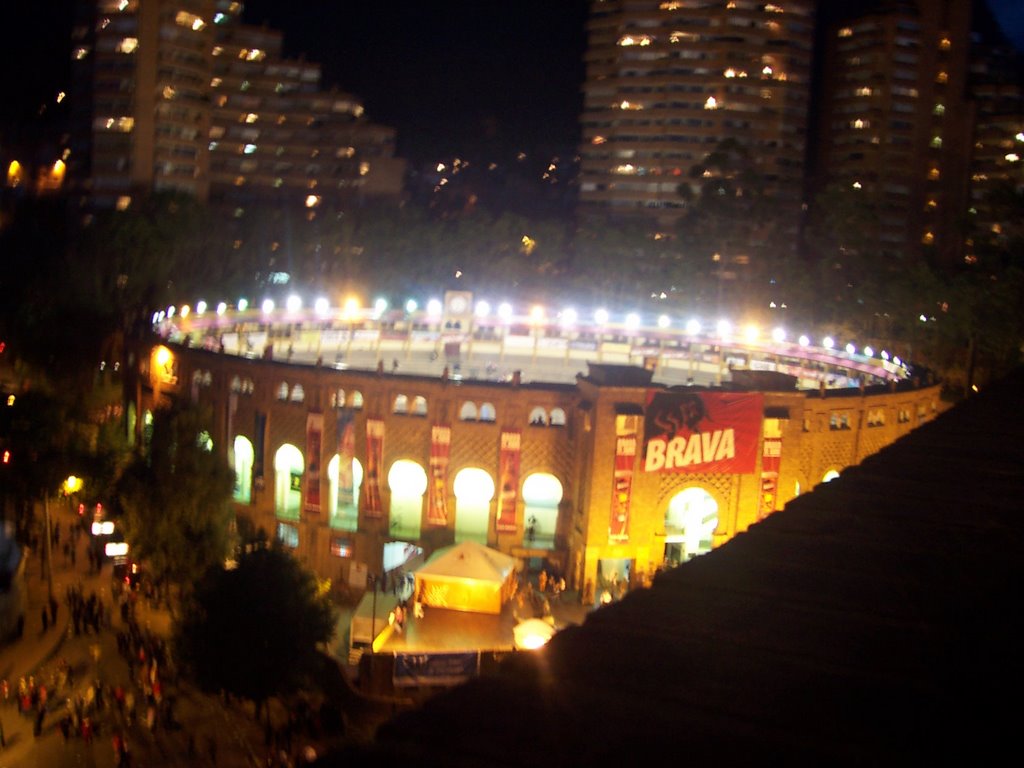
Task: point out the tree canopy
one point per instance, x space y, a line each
253 630
175 498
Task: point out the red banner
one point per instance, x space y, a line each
702 431
314 441
625 457
374 459
508 488
437 491
346 453
771 457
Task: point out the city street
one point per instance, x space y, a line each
69 664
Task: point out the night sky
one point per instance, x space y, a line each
450 75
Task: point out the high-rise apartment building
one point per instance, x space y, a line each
896 120
668 80
181 95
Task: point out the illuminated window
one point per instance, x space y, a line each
80 53
407 482
128 45
343 490
123 203
690 523
251 117
936 142
945 44
248 149
243 456
942 77
858 124
711 103
928 238
845 32
474 490
933 174
288 470
598 140
939 109
190 20
932 205
364 168
863 91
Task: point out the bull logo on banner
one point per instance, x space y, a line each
702 431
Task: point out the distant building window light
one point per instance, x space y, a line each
933 174
936 142
711 103
216 82
248 149
364 168
123 203
942 77
81 53
120 124
628 40
251 117
859 124
928 238
190 20
769 8
939 109
863 91
220 18
672 5
218 50
845 32
598 140
128 45
945 44
213 145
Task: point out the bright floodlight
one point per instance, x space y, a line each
157 317
778 335
633 321
693 327
268 306
411 306
243 304
293 303
351 306
433 307
724 327
750 333
184 310
170 311
601 316
200 307
664 321
505 311
897 361
569 316
222 307
885 355
869 352
322 306
380 306
482 309
828 342
850 349
804 340
537 313
922 318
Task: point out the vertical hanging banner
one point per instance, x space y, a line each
374 459
259 433
771 457
622 477
437 492
508 487
346 453
314 443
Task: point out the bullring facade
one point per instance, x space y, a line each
360 472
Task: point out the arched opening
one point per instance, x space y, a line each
538 417
242 461
468 411
830 476
419 406
407 482
357 400
690 524
487 412
288 468
298 394
343 493
542 493
282 391
401 404
474 490
557 417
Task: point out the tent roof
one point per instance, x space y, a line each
469 560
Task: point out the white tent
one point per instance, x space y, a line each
466 577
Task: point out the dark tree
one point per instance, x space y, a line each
253 630
176 499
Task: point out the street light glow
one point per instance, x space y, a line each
664 321
778 335
293 303
693 327
601 316
321 306
411 306
482 309
222 307
268 306
505 311
569 316
804 340
433 307
828 342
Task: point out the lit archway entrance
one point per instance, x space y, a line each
474 490
343 493
407 482
690 524
830 476
241 461
288 468
542 493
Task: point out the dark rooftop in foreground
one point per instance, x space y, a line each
872 622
